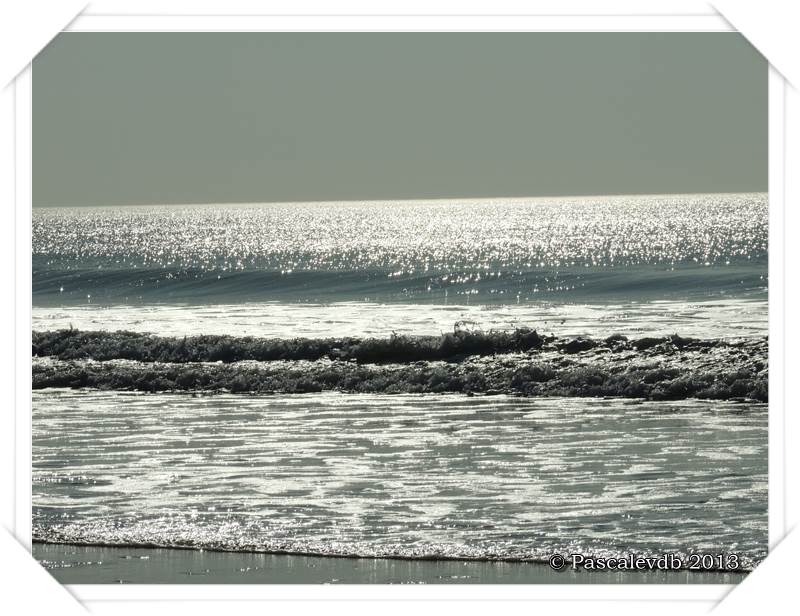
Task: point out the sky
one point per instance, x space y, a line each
150 118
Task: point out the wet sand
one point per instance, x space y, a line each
71 564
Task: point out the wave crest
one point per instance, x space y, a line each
520 362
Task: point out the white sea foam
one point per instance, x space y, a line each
714 318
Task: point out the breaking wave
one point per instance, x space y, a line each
518 362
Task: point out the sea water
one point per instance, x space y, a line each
414 476
401 476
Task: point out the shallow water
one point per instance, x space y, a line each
718 318
403 476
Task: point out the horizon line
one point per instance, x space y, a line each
411 200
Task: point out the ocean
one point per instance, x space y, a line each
490 380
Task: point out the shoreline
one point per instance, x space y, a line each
75 564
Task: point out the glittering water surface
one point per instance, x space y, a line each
409 476
404 475
720 318
485 251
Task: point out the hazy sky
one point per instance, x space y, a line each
123 118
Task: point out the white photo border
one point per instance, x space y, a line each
708 594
